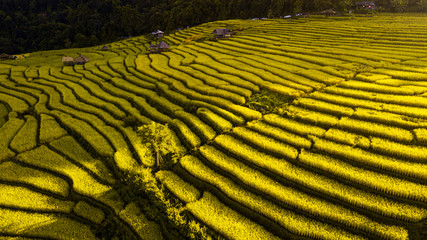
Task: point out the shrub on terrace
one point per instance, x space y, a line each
267 101
163 143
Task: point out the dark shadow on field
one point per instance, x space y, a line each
3 114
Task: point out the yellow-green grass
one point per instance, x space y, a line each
146 229
89 212
15 173
333 188
26 138
8 132
407 152
346 101
290 125
381 182
372 87
26 199
324 107
375 129
83 182
280 134
3 114
42 225
201 128
217 122
71 148
421 135
50 129
234 80
228 222
69 98
265 143
293 222
391 119
375 160
310 116
404 100
16 104
186 134
180 188
85 96
11 89
92 136
351 139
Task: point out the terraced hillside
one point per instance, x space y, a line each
342 155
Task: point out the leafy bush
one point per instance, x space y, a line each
399 5
140 186
267 101
163 142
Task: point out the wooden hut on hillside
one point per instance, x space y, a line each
222 33
329 12
161 47
158 33
5 56
104 48
81 60
68 61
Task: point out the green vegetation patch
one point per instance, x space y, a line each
267 101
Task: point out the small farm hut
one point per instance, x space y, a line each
158 33
222 33
161 47
329 12
6 56
81 59
68 61
104 48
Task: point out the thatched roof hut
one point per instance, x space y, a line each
329 12
158 33
104 48
6 56
222 33
161 47
68 61
81 59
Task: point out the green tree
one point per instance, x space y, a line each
346 5
298 6
322 4
163 142
422 5
399 5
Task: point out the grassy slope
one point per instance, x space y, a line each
346 159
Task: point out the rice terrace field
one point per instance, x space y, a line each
314 128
